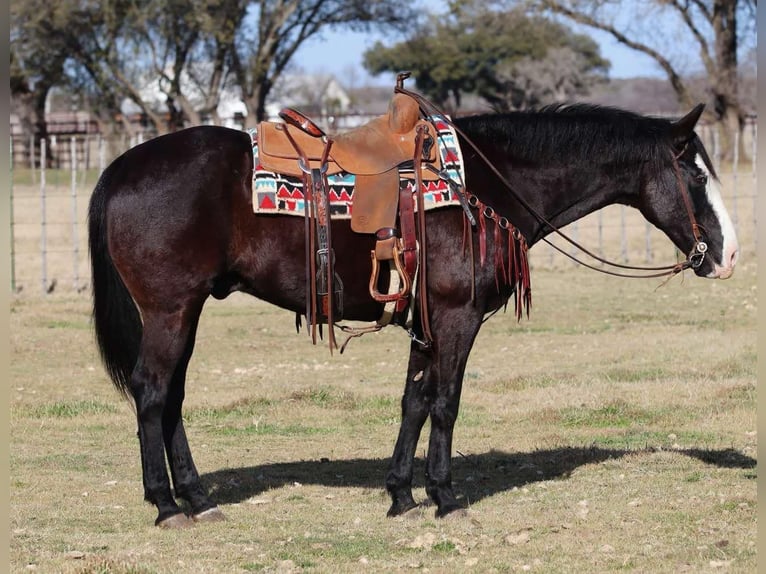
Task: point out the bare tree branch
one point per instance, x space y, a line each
686 16
582 18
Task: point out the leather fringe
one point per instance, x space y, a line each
514 273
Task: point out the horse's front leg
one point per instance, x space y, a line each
415 406
454 332
434 382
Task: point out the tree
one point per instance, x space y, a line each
170 54
172 58
34 68
157 53
716 27
263 51
504 56
188 45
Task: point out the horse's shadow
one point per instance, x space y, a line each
475 477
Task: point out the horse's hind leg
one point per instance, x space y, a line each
186 481
163 347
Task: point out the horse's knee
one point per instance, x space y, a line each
443 413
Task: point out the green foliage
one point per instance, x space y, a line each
509 58
444 546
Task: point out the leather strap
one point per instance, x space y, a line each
318 241
425 322
409 240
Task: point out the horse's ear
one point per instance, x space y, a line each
681 130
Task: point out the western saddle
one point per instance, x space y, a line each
376 154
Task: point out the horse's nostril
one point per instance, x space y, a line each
734 257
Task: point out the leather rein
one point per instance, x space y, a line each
693 260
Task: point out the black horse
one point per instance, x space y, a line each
171 222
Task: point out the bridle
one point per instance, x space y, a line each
693 260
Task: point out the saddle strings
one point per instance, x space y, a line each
431 109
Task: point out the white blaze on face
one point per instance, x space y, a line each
725 267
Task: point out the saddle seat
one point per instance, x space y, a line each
375 148
372 153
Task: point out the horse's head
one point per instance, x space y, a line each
688 172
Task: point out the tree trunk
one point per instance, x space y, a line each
726 108
256 104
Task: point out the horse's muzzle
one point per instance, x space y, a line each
727 270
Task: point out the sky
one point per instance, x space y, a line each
341 52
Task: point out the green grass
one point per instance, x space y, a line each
310 551
326 397
67 409
65 462
243 408
695 476
67 325
268 429
633 375
745 364
444 546
638 439
538 381
107 566
617 414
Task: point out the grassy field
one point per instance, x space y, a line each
613 431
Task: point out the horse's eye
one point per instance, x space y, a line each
701 179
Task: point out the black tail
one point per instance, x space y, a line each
116 318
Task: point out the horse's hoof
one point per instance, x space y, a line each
210 515
399 509
176 521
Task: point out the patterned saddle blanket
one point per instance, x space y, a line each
282 194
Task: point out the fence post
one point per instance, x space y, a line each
648 242
755 187
576 237
601 233
75 239
32 158
101 154
734 169
43 245
623 236
13 233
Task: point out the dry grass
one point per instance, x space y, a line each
613 431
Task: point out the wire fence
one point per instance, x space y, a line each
49 250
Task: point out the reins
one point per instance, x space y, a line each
693 260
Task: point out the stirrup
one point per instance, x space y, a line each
406 282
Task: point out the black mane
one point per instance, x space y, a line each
579 132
